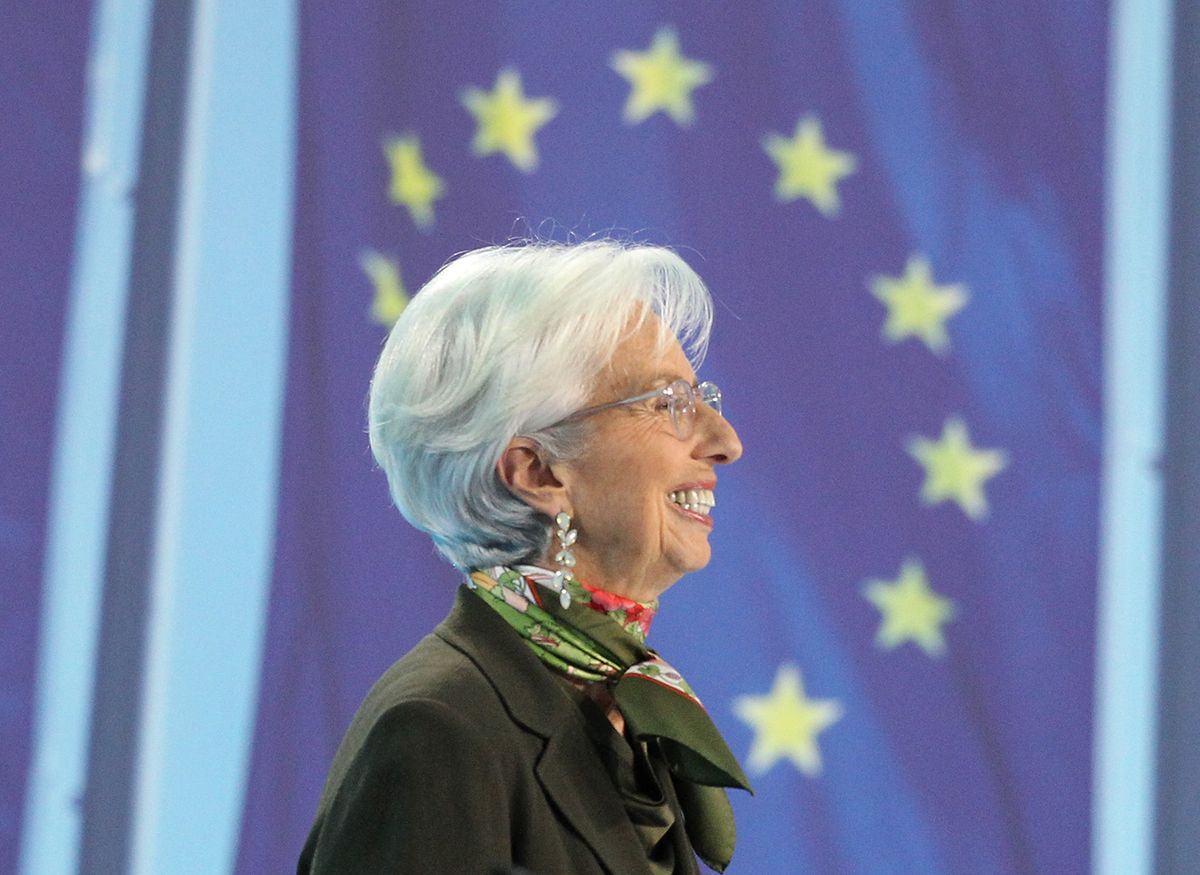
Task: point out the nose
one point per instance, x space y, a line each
719 441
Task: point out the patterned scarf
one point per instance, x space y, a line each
584 643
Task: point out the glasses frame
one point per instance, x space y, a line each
707 392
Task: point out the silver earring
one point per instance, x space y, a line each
564 558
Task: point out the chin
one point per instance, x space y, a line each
694 560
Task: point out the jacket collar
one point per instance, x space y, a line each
568 769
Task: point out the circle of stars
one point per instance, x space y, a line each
662 79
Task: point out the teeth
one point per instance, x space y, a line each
695 500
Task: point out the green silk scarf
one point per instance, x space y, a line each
591 641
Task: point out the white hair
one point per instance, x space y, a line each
506 341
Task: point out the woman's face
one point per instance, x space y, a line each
635 540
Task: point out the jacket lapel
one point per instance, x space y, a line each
574 780
569 770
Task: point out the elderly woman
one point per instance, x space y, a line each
537 413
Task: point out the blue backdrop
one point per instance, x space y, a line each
899 210
40 144
899 213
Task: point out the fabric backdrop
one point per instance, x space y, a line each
898 209
40 143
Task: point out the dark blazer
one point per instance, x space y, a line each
468 756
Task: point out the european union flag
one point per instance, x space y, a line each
898 209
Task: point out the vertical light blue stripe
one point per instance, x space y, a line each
1135 341
224 401
86 431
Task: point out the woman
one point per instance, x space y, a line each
536 413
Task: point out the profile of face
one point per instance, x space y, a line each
626 492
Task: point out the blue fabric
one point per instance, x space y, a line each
976 131
42 57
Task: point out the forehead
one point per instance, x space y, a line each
639 362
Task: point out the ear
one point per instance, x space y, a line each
529 477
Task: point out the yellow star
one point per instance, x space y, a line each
390 297
807 167
507 121
916 307
786 723
661 79
413 184
954 470
911 610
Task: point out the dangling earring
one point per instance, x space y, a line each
564 558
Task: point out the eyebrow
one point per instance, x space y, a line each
645 384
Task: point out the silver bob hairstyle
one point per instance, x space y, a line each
506 341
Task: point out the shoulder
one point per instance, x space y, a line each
434 693
419 738
425 772
434 671
450 762
471 682
417 788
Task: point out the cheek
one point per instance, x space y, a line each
642 511
631 511
622 488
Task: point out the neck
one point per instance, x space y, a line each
632 614
637 584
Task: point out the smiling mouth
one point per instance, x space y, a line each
694 501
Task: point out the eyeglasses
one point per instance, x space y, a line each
679 399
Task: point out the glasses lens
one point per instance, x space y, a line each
682 401
710 396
